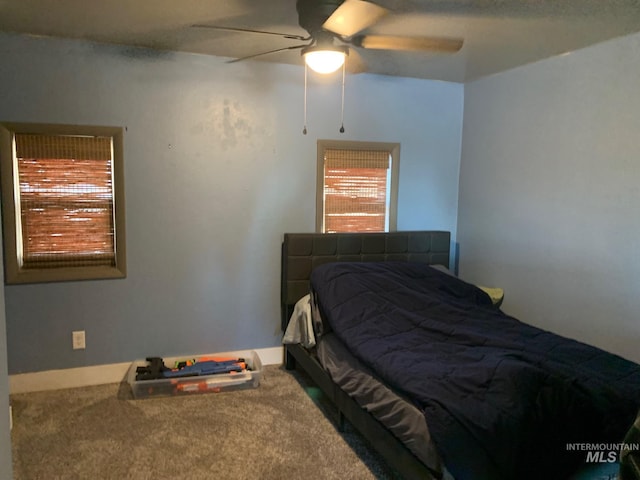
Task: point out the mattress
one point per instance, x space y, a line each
395 412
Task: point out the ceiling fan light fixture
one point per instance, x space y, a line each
325 59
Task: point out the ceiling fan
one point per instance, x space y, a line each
335 26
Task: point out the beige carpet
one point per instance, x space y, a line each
276 431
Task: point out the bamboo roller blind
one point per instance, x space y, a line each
66 200
355 190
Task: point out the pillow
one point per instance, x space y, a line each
495 294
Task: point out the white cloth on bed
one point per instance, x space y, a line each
300 327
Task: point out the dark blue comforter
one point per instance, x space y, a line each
502 399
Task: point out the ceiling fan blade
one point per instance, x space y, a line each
293 47
353 16
411 44
248 30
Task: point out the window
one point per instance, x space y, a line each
62 202
357 186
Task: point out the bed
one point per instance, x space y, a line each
428 368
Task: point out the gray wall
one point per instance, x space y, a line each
549 192
216 170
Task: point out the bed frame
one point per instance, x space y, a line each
301 253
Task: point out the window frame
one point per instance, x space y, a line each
14 273
394 151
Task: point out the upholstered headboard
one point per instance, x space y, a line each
302 252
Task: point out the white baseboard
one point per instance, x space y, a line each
111 373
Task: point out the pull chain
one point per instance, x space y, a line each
304 129
344 68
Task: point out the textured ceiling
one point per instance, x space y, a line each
498 34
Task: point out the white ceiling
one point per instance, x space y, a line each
498 34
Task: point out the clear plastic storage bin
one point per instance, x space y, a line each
220 382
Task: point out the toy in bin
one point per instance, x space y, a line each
180 376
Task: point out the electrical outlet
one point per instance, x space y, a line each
78 340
